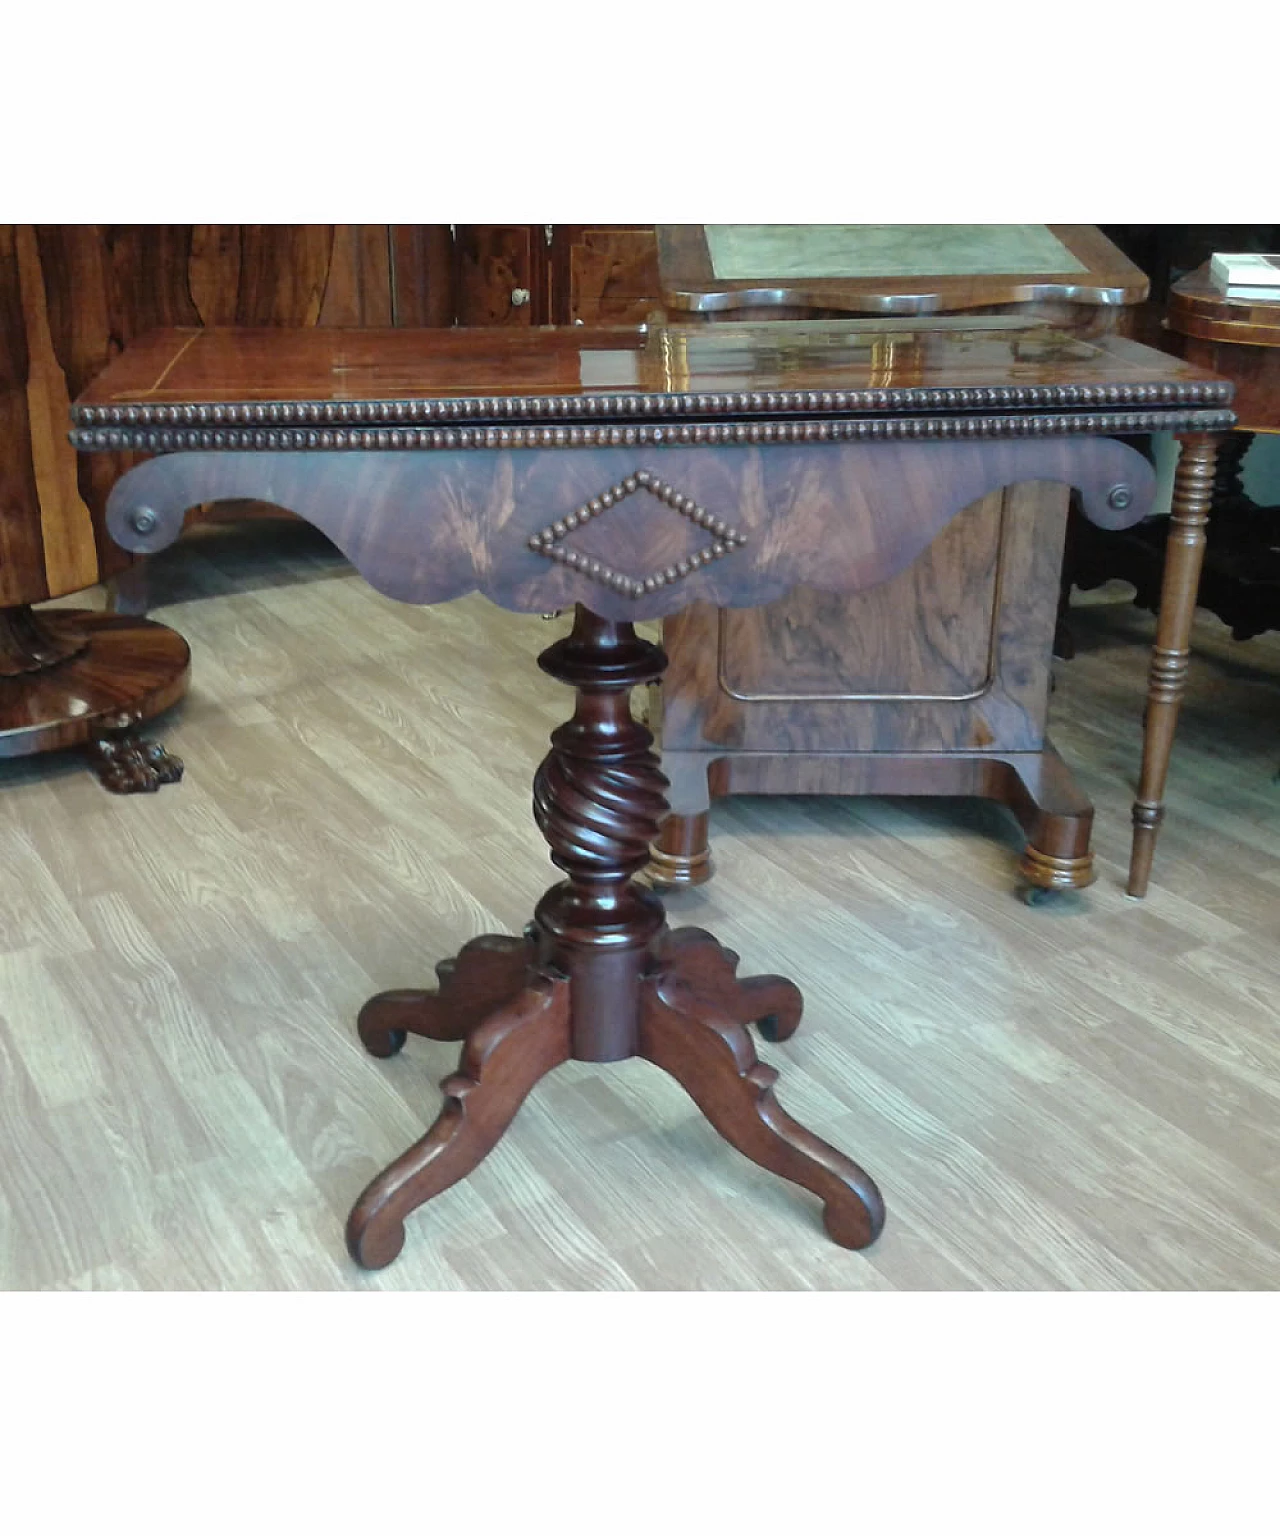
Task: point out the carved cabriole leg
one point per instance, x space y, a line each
692 1026
772 1003
1184 554
501 1061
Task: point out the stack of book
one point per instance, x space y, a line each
1246 276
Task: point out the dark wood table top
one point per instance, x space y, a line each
890 427
237 378
1092 271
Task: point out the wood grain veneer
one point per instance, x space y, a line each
374 375
1237 338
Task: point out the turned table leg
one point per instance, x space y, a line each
515 1046
1170 658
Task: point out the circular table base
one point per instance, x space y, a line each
131 670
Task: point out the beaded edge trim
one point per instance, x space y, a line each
558 407
948 429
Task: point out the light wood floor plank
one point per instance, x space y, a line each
1084 1095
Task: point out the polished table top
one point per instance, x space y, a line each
876 436
832 368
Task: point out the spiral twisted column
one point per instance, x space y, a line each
1193 489
599 798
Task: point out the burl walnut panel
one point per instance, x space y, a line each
950 654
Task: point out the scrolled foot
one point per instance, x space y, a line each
487 972
376 1022
373 1244
773 1004
684 1030
503 1058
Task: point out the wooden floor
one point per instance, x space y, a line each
1084 1095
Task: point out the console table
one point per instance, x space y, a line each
558 469
890 691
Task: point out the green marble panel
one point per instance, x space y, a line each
742 252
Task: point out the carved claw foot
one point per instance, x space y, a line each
688 1029
503 1058
486 973
130 765
772 1003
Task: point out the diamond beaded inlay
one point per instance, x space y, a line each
550 541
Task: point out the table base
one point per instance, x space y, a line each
514 1014
598 976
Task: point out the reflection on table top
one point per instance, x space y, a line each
575 372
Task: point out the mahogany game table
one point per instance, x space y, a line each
558 469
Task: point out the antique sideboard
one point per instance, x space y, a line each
891 691
625 474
